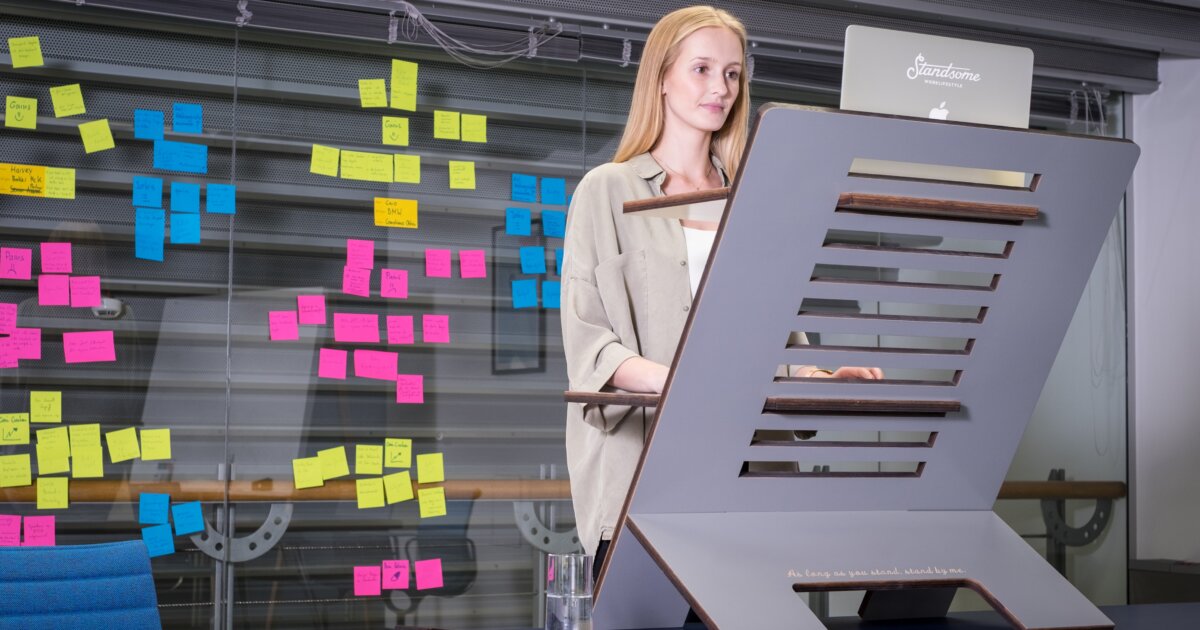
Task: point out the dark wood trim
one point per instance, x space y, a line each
882 349
1063 490
863 381
611 398
935 208
915 250
909 285
672 201
792 404
746 473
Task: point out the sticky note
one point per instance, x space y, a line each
410 388
53 493
372 92
307 472
432 502
354 327
185 157
471 263
283 325
551 293
87 456
474 128
524 188
89 347
67 100
187 118
375 364
370 493
404 85
185 197
149 228
185 228
360 253
368 459
367 581
462 175
152 508
332 363
60 183
147 124
429 572
435 328
54 290
20 113
10 530
398 487
367 167
85 291
437 263
26 52
333 462
324 160
524 293
407 169
394 283
39 530
96 136
56 257
8 318
395 574
554 191
53 451
356 281
395 130
123 445
15 471
558 261
159 540
8 358
554 223
26 343
429 468
400 213
16 263
517 222
311 309
188 517
533 260
400 329
397 453
148 193
14 428
445 125
221 199
156 444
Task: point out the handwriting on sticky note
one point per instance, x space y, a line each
332 364
185 197
554 223
8 318
156 444
360 253
53 451
306 473
404 85
372 92
67 100
397 453
187 118
410 388
221 199
16 263
54 290
283 325
400 213
159 540
188 517
356 281
429 572
96 136
407 169
185 228
474 128
89 347
395 574
15 471
153 508
471 263
394 283
551 293
524 188
311 309
367 581
517 222
524 293
398 487
375 364
60 183
395 131
85 291
368 459
87 462
432 502
533 260
445 125
20 113
325 160
147 125
333 462
123 445
39 530
149 228
430 468
554 191
14 428
368 167
355 327
462 175
186 157
370 493
400 329
10 530
148 193
26 52
437 263
53 493
435 328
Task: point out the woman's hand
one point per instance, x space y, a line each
866 373
638 374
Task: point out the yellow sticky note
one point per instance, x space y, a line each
433 502
400 213
397 453
404 85
429 468
368 459
60 183
14 428
20 113
370 492
123 445
84 436
14 471
324 160
53 451
67 100
445 125
156 444
408 169
26 52
87 462
53 493
96 136
398 487
369 167
395 130
307 472
462 175
45 407
372 92
474 128
333 463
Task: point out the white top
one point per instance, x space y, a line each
699 246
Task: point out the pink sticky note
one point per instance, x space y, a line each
8 318
375 364
394 283
56 258
16 263
437 263
410 388
333 364
366 581
283 325
8 358
353 327
312 309
360 254
400 329
26 343
395 574
435 328
429 573
85 291
356 281
471 263
39 531
89 347
10 533
54 290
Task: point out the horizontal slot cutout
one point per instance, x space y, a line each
801 438
891 376
832 470
885 343
893 311
908 278
801 406
917 243
939 209
944 174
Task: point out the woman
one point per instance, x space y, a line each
628 282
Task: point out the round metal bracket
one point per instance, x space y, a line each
249 547
1053 515
541 537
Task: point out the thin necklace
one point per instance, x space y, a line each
684 177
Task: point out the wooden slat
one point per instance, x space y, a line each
612 398
935 208
671 201
1063 490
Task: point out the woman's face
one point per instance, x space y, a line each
702 84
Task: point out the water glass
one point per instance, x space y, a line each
568 591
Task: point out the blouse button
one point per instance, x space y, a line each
687 307
683 263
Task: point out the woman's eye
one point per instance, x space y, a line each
732 75
701 69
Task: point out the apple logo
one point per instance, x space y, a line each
940 112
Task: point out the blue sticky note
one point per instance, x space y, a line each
152 508
185 197
188 518
524 293
187 118
550 293
554 191
517 222
222 199
185 228
558 255
524 188
147 192
149 228
185 157
147 124
554 223
533 260
159 541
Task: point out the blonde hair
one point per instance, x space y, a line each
645 123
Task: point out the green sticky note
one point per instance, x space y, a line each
407 169
53 493
462 175
429 468
395 131
45 407
26 52
398 487
324 160
433 502
14 428
372 92
370 492
404 85
156 444
123 445
445 125
474 128
333 463
307 472
397 453
20 113
96 136
15 471
67 100
368 459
